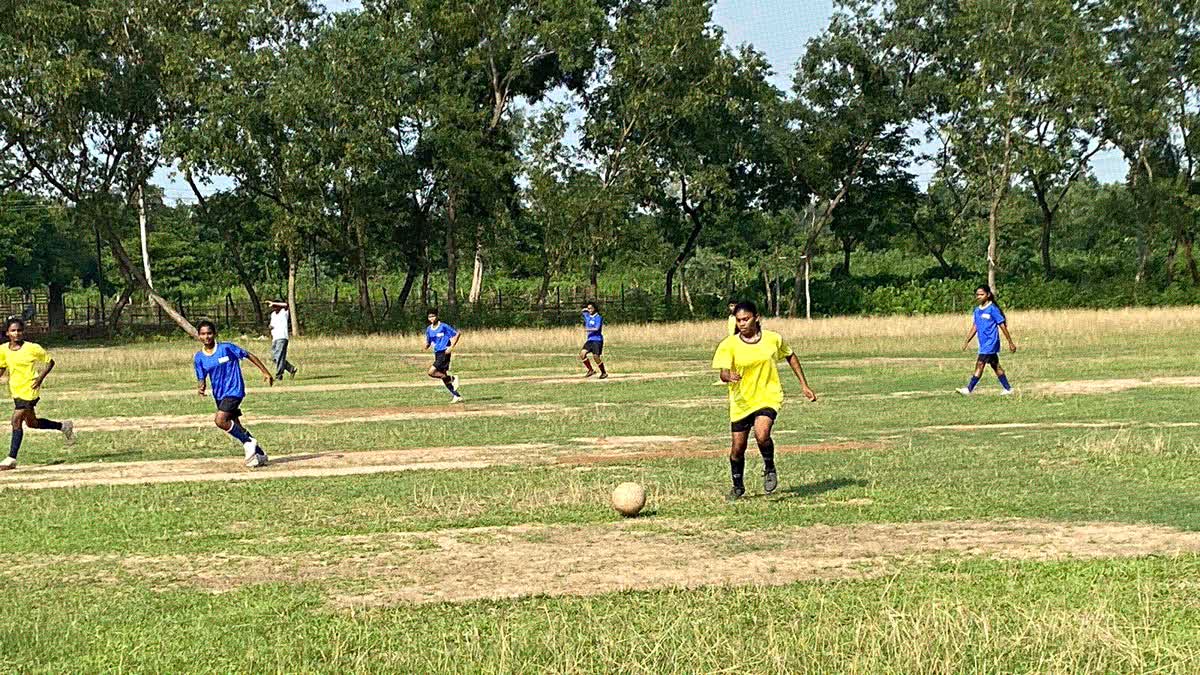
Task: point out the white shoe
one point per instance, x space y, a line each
1006 392
454 382
258 460
8 464
455 399
251 448
964 391
68 431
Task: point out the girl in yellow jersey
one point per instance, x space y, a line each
22 361
747 361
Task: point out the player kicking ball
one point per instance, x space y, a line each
988 322
21 360
220 364
442 338
747 361
593 341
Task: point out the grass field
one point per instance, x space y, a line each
1057 530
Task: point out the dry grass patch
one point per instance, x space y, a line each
509 562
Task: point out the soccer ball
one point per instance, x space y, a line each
628 499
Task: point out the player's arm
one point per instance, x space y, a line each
267 376
794 362
1012 345
201 380
37 383
970 336
729 375
453 342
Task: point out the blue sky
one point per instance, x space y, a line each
779 29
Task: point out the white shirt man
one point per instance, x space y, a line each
279 338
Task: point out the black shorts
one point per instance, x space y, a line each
441 362
22 404
231 405
594 347
992 360
747 423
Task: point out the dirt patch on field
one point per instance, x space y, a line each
408 383
1073 387
510 562
312 465
322 418
690 448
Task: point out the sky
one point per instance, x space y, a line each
778 28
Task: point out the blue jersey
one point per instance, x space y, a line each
440 337
987 326
593 324
223 370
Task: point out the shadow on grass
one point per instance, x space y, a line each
98 457
303 458
820 488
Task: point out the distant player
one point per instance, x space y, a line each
988 323
20 359
442 338
220 364
593 340
747 363
280 326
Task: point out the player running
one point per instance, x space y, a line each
220 364
593 340
443 338
988 323
747 363
20 359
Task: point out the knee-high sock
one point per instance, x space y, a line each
49 424
768 454
1004 382
15 446
736 468
239 432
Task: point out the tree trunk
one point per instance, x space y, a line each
687 296
57 306
1188 255
847 249
293 310
1170 264
593 273
141 208
362 269
688 248
767 286
410 277
1039 192
135 279
451 249
425 270
114 319
477 271
993 240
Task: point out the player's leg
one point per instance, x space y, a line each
228 419
597 356
279 353
764 421
740 437
1002 377
975 376
18 435
34 422
583 357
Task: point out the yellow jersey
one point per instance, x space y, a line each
731 325
759 387
22 368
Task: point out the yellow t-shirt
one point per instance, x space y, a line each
22 368
731 325
759 387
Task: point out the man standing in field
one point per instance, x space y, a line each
593 340
280 326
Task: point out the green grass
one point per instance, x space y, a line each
74 601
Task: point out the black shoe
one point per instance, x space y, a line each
604 376
589 373
770 482
735 493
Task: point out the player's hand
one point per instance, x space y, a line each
810 395
449 349
733 377
37 384
965 345
269 379
1012 347
200 391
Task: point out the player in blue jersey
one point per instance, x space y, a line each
442 337
219 363
593 340
988 323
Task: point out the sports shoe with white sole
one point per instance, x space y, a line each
454 382
735 493
770 482
1006 392
68 431
964 391
455 399
8 464
251 448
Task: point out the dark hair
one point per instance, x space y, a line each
746 306
14 319
592 303
205 322
991 296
